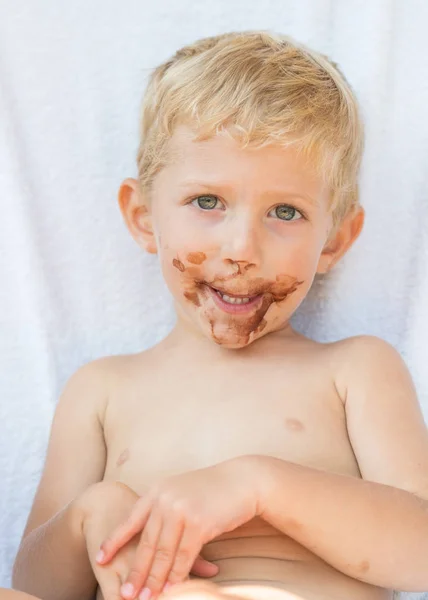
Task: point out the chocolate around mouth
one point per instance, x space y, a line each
242 331
225 293
277 290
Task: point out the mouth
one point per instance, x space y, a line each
233 303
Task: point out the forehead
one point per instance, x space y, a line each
222 158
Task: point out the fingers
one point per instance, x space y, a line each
143 557
165 555
185 555
171 539
109 583
126 531
204 568
154 558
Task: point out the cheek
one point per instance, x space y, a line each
298 256
181 254
181 272
191 246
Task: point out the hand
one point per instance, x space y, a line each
177 517
104 506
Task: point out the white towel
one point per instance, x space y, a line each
74 284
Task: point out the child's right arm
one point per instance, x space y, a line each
52 561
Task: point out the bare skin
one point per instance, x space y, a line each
195 590
336 426
244 330
291 410
295 415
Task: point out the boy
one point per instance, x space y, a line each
296 469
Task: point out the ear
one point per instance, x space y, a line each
136 214
342 240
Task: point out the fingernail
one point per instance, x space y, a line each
100 556
127 590
145 594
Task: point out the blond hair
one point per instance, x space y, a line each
260 88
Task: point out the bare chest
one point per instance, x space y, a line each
171 427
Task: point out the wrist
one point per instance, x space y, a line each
259 473
99 498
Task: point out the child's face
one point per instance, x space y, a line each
240 235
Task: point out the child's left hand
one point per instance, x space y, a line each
177 517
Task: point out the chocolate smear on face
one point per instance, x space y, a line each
284 286
193 273
228 329
237 329
196 258
193 298
191 284
240 266
262 325
215 338
178 265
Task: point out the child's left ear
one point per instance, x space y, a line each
343 239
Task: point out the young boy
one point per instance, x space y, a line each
238 449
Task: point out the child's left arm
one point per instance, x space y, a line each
375 529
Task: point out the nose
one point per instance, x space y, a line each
241 245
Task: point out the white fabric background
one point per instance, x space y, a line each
74 286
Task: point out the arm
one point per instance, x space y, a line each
374 530
52 561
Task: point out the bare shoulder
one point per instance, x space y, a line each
97 379
360 355
89 385
360 345
349 351
363 344
115 379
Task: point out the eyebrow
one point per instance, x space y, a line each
276 193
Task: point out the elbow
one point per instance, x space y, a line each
18 571
20 567
17 580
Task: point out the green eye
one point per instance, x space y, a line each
286 213
206 202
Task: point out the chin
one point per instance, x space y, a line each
232 342
231 345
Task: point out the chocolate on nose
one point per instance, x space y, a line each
241 266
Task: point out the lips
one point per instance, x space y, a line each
234 304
